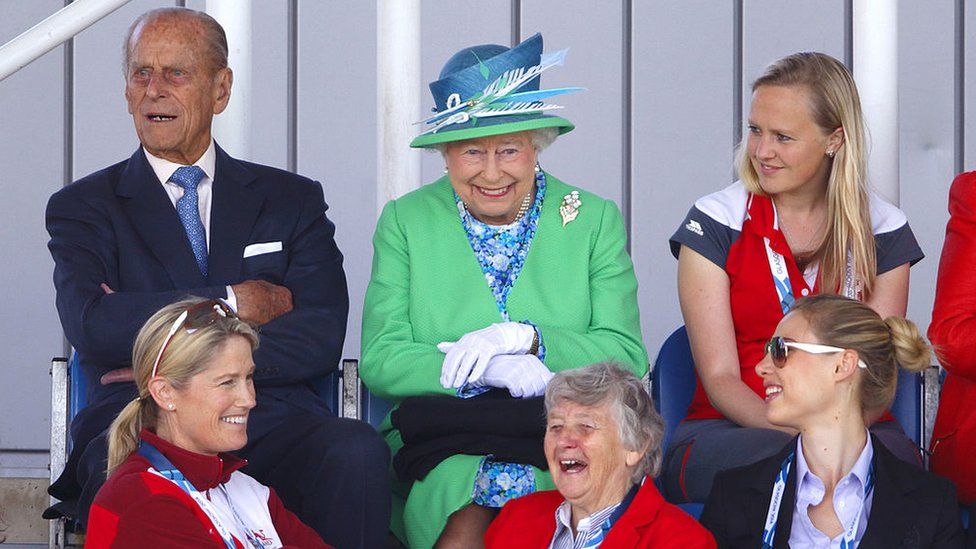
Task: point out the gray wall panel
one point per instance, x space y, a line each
590 156
31 134
682 149
103 131
337 131
269 78
447 27
926 118
775 28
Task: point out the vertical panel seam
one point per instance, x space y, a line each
959 101
627 112
516 29
849 34
292 88
737 76
68 141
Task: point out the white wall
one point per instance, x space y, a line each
674 106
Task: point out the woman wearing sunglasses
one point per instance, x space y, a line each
835 485
171 481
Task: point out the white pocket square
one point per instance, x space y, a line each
261 248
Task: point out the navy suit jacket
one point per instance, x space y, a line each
117 226
911 507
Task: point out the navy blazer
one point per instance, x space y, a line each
117 226
911 507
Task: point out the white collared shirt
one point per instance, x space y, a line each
849 500
587 527
164 169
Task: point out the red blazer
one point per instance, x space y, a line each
953 333
529 523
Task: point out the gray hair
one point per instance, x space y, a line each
541 138
641 427
213 34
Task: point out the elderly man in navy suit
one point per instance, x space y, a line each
182 217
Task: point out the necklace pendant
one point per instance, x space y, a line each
570 206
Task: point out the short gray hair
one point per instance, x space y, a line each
541 138
641 427
213 34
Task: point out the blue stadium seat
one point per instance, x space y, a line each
673 381
78 386
907 407
673 385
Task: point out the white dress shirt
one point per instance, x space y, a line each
849 500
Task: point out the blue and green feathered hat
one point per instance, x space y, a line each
491 90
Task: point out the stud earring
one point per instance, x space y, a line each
445 169
171 406
830 154
538 168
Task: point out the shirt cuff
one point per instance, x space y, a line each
232 299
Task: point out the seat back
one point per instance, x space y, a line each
673 386
78 387
907 406
673 381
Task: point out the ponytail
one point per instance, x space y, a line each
123 435
911 351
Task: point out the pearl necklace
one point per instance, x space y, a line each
524 206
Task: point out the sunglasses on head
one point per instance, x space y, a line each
197 316
778 349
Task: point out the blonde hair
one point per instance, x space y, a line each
883 345
834 103
186 356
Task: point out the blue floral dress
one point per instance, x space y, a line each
501 252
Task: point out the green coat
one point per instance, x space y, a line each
577 286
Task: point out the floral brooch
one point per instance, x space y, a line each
569 209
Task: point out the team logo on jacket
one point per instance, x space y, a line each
261 537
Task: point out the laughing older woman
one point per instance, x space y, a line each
494 276
603 445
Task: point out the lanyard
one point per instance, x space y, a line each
776 500
781 277
165 468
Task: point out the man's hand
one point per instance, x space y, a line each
260 302
119 375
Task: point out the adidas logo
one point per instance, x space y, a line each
695 227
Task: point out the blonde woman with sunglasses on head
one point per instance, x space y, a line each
171 481
835 485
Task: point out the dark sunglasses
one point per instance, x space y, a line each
198 316
778 349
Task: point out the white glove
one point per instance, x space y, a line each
467 358
524 376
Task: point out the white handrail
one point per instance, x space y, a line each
51 32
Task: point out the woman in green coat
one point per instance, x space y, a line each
494 276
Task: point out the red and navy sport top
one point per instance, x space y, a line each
728 227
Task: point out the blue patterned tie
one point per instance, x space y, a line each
188 208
